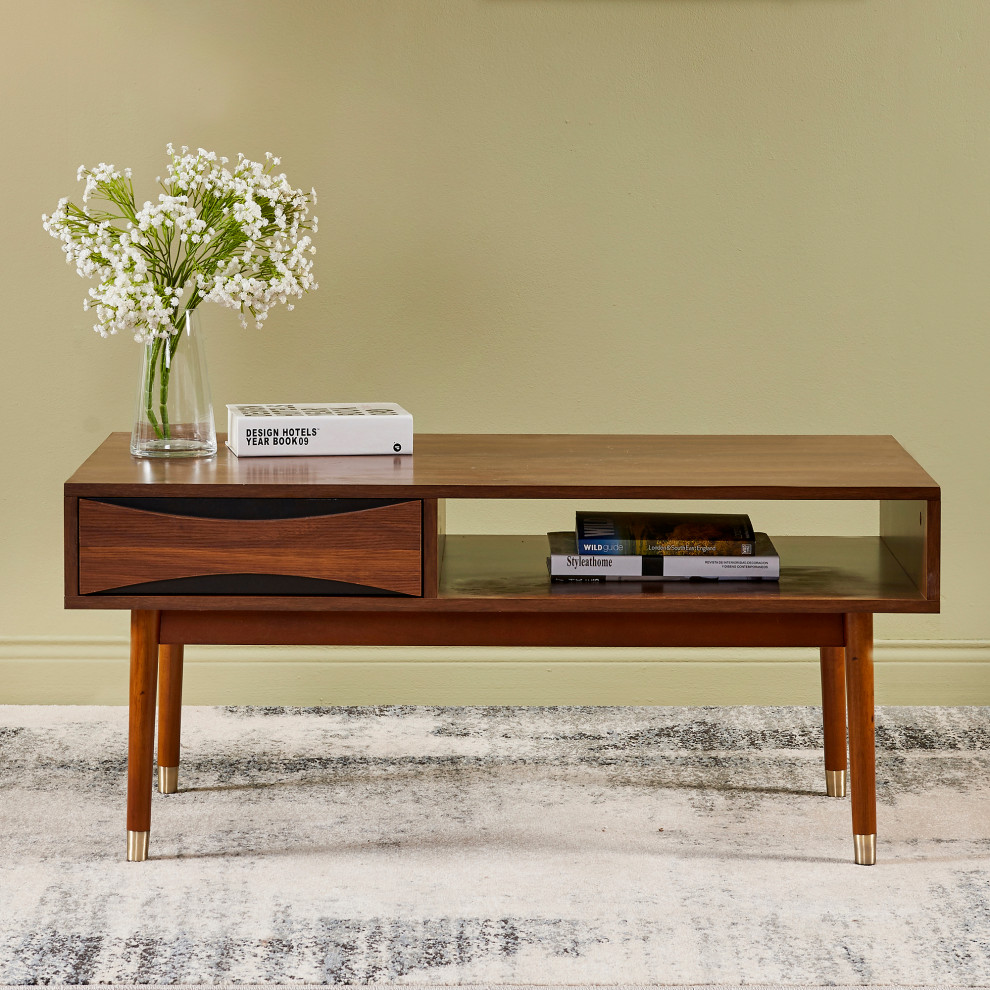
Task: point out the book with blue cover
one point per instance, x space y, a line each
664 533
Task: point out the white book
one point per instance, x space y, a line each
565 563
320 428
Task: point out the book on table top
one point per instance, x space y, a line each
295 429
566 564
664 533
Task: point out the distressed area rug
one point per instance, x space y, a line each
494 846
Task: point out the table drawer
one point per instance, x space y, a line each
245 546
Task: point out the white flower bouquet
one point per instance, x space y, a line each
237 235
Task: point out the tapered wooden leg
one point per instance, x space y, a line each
145 627
862 736
169 715
833 664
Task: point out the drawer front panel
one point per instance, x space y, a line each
342 546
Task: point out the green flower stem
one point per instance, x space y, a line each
162 357
149 387
163 387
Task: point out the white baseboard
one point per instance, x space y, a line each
64 670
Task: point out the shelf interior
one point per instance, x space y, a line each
821 572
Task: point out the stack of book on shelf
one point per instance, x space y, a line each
650 546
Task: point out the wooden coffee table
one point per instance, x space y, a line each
353 550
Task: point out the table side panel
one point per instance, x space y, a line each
433 535
70 513
911 532
933 547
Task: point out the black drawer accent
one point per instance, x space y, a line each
251 584
252 508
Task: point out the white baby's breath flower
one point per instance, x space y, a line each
236 236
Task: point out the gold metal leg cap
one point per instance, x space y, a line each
866 849
137 846
835 783
168 780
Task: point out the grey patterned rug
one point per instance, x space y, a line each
414 846
501 986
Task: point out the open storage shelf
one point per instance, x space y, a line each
818 573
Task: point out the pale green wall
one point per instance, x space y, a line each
536 215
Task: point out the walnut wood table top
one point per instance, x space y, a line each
538 466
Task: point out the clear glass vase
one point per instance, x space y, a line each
173 416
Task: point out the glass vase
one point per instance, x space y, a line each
173 416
